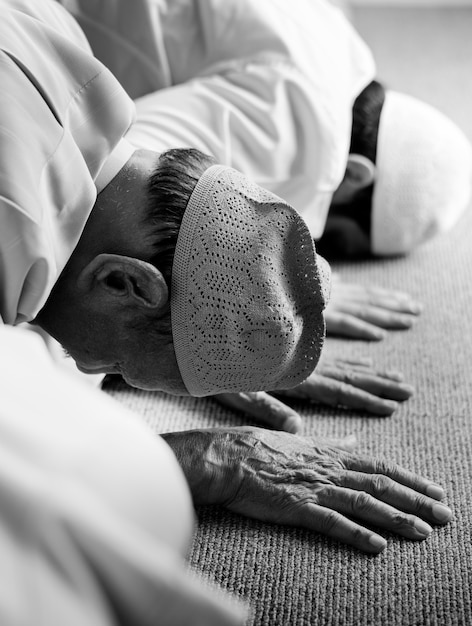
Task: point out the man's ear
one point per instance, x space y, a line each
360 171
134 282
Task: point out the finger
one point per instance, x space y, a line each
373 384
364 362
397 473
336 393
399 496
361 365
346 325
374 291
378 316
263 408
394 300
379 296
364 507
332 524
358 365
398 304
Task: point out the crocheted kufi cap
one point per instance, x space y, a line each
248 289
423 179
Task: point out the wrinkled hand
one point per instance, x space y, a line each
353 384
285 479
335 382
366 312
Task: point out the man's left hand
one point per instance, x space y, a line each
367 312
335 382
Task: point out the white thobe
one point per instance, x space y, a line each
95 512
265 86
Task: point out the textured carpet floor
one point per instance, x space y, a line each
291 576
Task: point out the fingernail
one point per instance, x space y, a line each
350 440
292 424
398 376
442 513
390 406
377 542
435 491
347 443
378 335
423 528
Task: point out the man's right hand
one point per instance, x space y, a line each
367 312
335 382
281 478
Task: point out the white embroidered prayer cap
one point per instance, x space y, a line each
423 175
248 290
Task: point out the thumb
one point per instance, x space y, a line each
263 408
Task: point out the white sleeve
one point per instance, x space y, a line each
95 514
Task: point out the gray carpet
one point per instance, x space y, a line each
293 577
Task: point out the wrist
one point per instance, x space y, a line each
211 461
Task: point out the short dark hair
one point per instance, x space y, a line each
365 120
169 189
364 135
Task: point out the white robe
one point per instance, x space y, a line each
95 512
265 86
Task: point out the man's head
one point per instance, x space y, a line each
407 178
189 278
